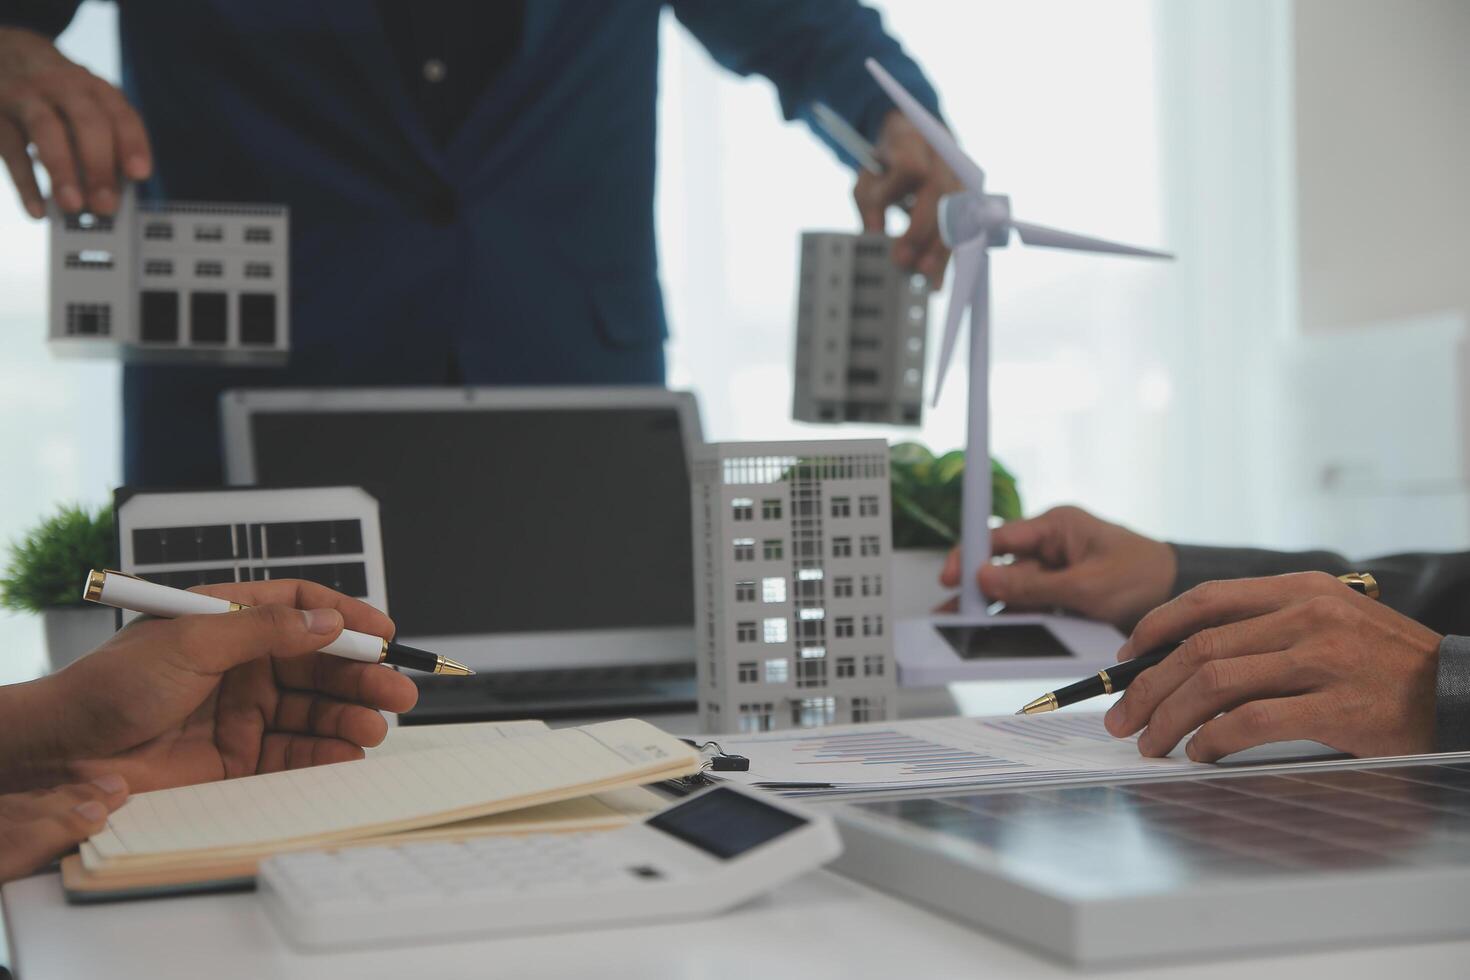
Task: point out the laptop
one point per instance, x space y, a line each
539 535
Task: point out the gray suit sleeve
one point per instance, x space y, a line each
1452 696
1431 587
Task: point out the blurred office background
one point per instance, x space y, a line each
1294 379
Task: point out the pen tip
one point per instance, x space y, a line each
1047 702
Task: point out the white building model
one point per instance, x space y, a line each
171 281
791 567
860 327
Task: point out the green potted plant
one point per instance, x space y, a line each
45 574
926 518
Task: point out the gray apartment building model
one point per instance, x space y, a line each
793 621
860 327
172 281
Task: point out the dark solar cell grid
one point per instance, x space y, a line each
1339 820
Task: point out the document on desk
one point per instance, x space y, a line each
1005 750
387 794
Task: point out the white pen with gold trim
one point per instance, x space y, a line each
123 591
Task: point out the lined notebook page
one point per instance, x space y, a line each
416 738
387 793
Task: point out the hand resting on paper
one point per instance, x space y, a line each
39 826
1299 656
1068 559
173 702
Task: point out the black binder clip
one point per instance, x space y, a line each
719 760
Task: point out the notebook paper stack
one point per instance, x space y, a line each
453 783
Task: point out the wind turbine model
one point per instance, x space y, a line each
976 643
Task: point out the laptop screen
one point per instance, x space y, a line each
508 520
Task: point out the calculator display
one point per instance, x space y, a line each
725 823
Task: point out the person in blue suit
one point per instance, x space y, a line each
470 184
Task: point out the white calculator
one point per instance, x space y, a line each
701 855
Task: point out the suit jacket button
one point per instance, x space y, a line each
442 205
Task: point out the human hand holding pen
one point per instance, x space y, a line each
1299 656
199 698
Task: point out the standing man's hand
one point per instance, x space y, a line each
1069 559
1263 660
82 127
189 700
912 168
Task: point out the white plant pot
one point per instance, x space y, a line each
73 631
916 588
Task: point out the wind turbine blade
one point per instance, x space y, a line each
1040 235
932 130
967 261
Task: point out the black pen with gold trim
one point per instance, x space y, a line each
1117 677
123 591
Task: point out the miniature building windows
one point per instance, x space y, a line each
158 267
772 549
842 587
257 270
159 316
811 673
158 231
862 710
872 626
808 548
872 585
862 376
209 233
88 320
868 545
87 221
258 235
773 589
774 630
778 670
846 667
810 575
208 318
868 506
873 665
811 613
742 508
745 632
841 506
809 589
747 672
744 591
842 626
209 269
811 712
89 258
771 510
258 319
808 630
842 547
865 343
745 549
757 717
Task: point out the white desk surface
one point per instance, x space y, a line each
818 927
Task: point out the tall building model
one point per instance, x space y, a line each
172 281
791 568
860 327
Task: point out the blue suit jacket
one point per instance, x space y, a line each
520 253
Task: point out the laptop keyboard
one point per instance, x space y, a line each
553 693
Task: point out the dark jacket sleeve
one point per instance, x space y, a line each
813 50
48 17
1431 588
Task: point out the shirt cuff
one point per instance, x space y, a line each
1452 696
